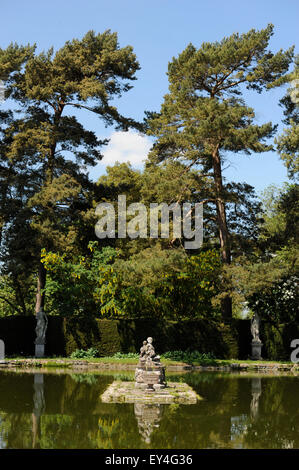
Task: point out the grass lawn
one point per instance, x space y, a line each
63 361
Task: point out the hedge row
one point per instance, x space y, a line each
277 340
65 335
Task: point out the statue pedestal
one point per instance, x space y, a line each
40 350
150 376
256 350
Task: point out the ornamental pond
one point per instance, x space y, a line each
62 409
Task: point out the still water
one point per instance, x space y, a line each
64 411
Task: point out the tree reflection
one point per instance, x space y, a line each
65 411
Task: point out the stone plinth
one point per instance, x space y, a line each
256 350
39 350
150 376
126 392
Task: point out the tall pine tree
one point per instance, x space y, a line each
203 115
49 148
288 141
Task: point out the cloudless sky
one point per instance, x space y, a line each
159 30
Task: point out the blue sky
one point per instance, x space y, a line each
159 30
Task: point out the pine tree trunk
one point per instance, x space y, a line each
41 283
41 279
226 303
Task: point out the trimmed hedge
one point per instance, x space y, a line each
277 340
244 338
84 333
18 334
65 335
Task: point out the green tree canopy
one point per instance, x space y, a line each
48 148
203 115
288 142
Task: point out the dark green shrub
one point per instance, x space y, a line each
81 354
190 357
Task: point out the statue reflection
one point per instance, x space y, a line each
38 408
148 418
240 423
256 390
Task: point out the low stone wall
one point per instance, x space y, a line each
47 365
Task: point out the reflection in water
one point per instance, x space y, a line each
148 417
38 408
240 424
256 390
238 430
64 411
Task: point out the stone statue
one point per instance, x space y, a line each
41 327
150 351
256 344
143 350
149 373
255 328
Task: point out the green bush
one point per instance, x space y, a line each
278 303
81 354
190 357
155 283
129 355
